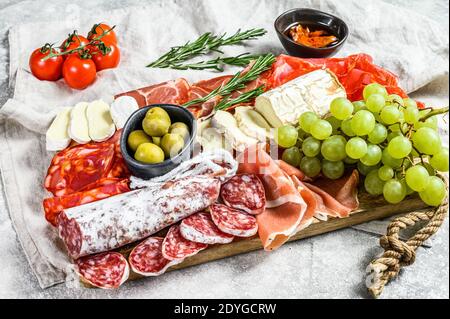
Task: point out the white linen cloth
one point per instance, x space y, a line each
410 45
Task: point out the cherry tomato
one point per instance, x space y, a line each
78 72
98 30
50 69
73 41
108 61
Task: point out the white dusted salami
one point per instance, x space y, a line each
233 221
106 270
219 163
244 192
146 258
200 228
119 220
176 247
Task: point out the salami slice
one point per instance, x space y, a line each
244 192
233 221
107 270
119 220
200 228
146 258
176 247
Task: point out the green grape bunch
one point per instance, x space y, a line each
393 143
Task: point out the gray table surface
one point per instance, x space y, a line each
328 266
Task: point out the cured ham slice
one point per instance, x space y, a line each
176 247
147 260
107 270
285 206
233 221
171 92
200 228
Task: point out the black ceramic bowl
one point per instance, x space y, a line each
313 18
147 171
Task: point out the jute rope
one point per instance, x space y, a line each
398 253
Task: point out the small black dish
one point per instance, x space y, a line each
134 122
310 17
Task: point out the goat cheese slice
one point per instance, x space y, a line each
100 123
121 110
57 137
253 124
78 125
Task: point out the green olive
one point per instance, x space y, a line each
136 138
180 128
156 140
156 125
158 111
149 153
172 144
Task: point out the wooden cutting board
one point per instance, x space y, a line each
371 208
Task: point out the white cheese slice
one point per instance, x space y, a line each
121 109
226 124
78 125
253 124
57 137
100 123
313 91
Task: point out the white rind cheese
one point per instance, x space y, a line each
100 123
78 125
121 109
313 91
226 124
253 124
57 137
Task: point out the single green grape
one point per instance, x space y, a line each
435 192
358 106
306 119
301 134
311 147
364 169
390 114
388 160
363 122
341 108
394 191
286 136
311 166
392 135
385 173
335 124
417 178
321 129
350 161
333 148
374 88
346 127
411 114
373 184
395 99
427 141
292 156
373 155
439 161
375 102
378 134
409 103
431 122
399 147
356 147
333 170
409 191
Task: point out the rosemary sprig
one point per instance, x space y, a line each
203 45
241 60
244 97
238 81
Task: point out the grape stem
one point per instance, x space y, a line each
434 112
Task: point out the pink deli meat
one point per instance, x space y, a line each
119 220
106 270
176 247
233 221
244 192
200 228
147 260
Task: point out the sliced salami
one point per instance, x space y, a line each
106 270
233 221
147 260
176 247
122 219
244 192
200 228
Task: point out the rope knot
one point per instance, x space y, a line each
398 249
